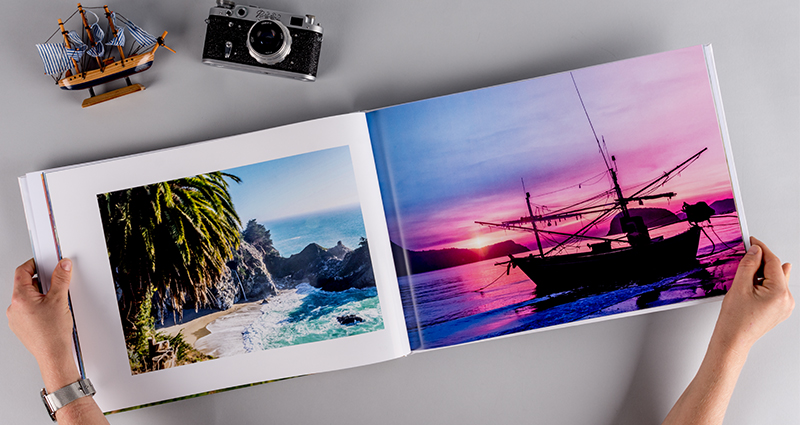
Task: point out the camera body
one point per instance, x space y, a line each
249 38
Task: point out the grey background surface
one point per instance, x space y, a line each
380 53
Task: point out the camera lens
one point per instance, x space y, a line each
266 37
269 42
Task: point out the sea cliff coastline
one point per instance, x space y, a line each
316 294
197 328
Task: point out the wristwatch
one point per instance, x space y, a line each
66 395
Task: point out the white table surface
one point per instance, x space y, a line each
380 53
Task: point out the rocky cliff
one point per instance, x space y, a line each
247 277
331 269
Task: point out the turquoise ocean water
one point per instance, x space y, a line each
327 228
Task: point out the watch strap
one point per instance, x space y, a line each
66 395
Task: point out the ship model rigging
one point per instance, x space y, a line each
635 255
96 56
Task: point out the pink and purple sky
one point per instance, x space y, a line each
447 162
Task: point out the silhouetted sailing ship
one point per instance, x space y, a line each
87 59
636 255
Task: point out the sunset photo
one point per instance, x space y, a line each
572 196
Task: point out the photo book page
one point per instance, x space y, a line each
573 197
236 261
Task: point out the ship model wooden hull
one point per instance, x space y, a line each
113 71
662 257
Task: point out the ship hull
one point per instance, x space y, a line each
114 71
615 268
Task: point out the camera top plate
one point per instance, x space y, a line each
255 14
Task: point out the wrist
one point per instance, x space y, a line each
69 400
728 351
729 342
58 372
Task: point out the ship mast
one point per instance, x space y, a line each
114 34
623 203
634 227
89 33
533 223
69 46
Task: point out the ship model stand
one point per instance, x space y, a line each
88 59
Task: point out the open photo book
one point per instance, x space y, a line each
345 241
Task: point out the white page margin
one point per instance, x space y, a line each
73 196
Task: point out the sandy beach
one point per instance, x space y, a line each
196 328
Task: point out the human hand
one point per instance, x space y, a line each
755 303
753 306
43 323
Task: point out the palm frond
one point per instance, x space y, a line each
175 236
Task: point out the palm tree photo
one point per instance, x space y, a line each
168 243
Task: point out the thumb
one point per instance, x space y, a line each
59 282
749 265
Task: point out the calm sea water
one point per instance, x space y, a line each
291 235
478 300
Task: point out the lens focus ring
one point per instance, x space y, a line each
269 42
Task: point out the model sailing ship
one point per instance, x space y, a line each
86 60
635 256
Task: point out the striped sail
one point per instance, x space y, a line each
54 57
75 39
141 36
76 54
119 39
77 46
98 34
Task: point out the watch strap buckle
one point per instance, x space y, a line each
66 395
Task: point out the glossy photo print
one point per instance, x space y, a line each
242 260
574 196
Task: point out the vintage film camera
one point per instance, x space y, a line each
253 39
